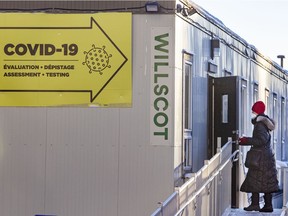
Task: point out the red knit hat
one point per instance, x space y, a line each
258 107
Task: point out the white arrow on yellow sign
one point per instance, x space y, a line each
47 61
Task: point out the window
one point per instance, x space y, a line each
267 92
283 128
255 92
187 94
187 112
225 108
274 137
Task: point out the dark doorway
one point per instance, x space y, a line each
224 94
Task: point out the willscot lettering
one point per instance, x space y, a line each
161 89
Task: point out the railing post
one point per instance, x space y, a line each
218 144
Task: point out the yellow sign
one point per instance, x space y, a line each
65 59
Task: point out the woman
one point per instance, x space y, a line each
264 179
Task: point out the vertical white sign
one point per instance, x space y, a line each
161 86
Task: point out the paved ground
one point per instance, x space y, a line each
236 212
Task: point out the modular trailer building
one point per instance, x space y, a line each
122 160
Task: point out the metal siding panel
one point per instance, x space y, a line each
22 165
143 167
82 162
135 134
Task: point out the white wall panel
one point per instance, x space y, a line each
82 162
145 170
22 161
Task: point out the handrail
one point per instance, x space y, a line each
232 158
160 210
198 173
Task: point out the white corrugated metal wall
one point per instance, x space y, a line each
88 161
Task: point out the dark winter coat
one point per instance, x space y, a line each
263 180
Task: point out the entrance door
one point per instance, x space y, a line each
224 109
224 119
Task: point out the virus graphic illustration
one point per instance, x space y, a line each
97 59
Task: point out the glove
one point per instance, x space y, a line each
243 140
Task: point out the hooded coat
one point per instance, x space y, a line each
264 179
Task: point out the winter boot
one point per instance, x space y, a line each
268 203
254 204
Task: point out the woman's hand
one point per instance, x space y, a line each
243 140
